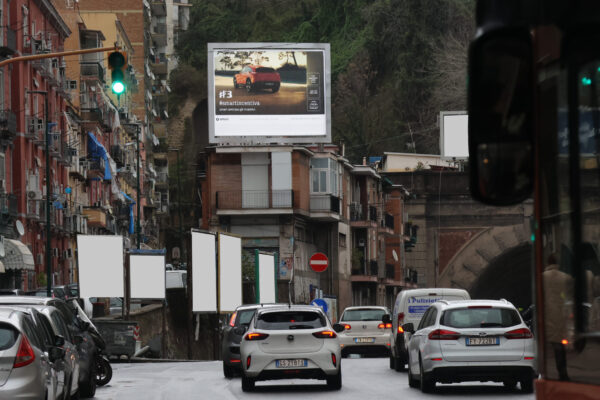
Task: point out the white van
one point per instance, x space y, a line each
410 306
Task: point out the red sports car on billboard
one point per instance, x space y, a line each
254 77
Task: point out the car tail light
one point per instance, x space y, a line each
388 326
248 361
528 358
255 336
400 329
334 360
325 335
436 359
234 360
232 320
443 334
384 326
564 342
479 307
347 327
521 333
381 326
25 355
400 318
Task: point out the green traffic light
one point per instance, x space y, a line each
586 81
118 87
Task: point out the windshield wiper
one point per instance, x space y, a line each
300 327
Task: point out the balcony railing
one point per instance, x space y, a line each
368 268
8 204
254 199
91 69
118 154
9 44
324 203
356 212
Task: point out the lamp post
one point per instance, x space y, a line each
179 211
48 194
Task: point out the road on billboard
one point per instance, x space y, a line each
291 97
367 378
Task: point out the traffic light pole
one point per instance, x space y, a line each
59 54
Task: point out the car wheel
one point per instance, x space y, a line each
412 381
400 362
227 371
427 383
88 389
510 383
275 89
527 385
249 87
103 371
335 382
392 361
247 383
235 85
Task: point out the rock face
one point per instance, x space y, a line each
177 125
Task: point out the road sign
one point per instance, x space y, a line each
318 262
320 303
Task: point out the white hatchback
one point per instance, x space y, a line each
471 340
291 342
365 331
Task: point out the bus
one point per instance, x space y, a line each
534 132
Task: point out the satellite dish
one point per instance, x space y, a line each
2 251
20 228
395 255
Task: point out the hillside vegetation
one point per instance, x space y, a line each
395 63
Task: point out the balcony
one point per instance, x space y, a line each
8 126
79 168
118 154
162 180
92 70
159 64
55 145
364 271
35 129
67 154
158 7
96 165
160 129
91 115
325 207
8 46
272 200
96 217
159 34
9 204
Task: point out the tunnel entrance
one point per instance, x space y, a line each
508 276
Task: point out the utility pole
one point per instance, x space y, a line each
138 226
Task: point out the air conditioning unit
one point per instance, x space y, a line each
34 195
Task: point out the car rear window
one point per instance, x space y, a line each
8 336
290 320
365 314
265 69
480 317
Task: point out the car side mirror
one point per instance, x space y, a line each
386 319
501 116
409 328
59 341
338 328
77 340
55 354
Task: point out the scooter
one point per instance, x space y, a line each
103 369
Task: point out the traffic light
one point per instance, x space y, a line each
117 62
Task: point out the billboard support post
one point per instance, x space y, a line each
256 277
276 256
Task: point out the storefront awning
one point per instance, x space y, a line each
18 256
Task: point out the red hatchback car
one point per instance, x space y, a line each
254 77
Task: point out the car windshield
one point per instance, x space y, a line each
265 70
290 320
363 314
480 317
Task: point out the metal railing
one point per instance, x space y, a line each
324 202
356 212
90 69
254 199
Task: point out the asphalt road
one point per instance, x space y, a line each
290 99
363 379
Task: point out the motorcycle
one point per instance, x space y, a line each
103 369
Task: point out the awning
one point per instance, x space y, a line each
131 204
18 256
97 150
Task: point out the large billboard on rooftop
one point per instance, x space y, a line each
269 93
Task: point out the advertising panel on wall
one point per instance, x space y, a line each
204 272
454 137
269 93
266 278
147 276
100 266
230 272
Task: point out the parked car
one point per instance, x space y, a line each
410 305
232 336
365 332
471 340
87 349
291 342
176 279
254 77
27 365
12 292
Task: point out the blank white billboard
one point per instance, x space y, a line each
147 276
204 273
454 135
266 278
230 272
101 271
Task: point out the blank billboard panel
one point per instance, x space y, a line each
230 272
454 134
100 266
147 276
266 278
204 273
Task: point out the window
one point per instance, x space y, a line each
365 314
25 12
60 326
31 333
480 318
290 320
324 176
8 336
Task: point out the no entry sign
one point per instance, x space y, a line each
318 262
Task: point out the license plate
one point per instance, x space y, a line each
269 84
364 340
291 363
483 341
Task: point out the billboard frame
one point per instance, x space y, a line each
221 283
442 149
263 140
116 280
134 266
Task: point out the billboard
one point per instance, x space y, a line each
147 276
266 279
269 93
100 266
454 135
204 272
230 272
